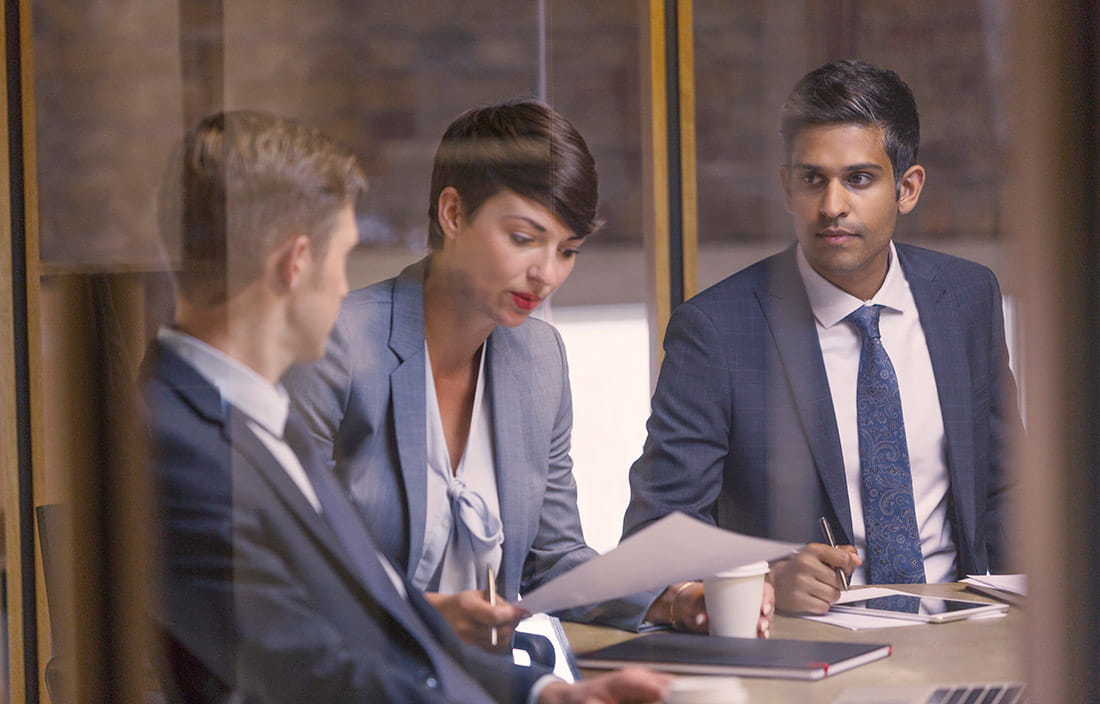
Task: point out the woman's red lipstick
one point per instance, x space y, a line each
525 301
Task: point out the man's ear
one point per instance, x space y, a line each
291 262
909 188
449 211
784 183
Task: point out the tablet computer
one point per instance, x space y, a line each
919 608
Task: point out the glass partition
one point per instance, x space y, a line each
116 84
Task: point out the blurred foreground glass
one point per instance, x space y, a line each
118 82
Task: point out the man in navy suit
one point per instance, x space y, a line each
758 416
272 588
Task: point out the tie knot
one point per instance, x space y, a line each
865 320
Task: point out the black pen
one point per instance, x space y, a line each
828 532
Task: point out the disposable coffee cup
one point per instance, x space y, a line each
733 600
706 690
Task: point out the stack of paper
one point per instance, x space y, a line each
1009 588
861 622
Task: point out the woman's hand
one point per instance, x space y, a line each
683 607
767 610
473 619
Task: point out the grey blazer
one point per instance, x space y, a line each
364 403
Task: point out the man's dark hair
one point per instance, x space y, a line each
856 92
524 146
239 184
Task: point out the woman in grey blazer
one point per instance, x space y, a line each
445 409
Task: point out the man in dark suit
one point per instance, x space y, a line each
273 590
847 377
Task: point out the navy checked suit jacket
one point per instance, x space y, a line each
259 592
742 431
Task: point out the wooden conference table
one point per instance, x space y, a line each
976 650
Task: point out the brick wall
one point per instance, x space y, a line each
388 77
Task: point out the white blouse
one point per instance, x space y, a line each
463 532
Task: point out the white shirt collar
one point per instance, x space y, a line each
831 305
265 403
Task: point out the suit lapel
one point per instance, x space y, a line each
353 552
943 330
204 398
248 444
786 309
507 368
179 376
407 393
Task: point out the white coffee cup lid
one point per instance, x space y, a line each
706 690
750 570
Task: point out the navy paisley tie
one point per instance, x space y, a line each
889 515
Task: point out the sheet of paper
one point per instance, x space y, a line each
860 622
673 549
1015 583
867 593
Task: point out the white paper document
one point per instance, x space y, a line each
861 622
1013 583
868 593
674 549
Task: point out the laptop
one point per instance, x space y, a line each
972 693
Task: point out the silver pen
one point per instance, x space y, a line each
828 532
492 602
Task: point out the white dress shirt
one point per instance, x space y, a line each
903 338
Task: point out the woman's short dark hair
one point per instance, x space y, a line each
524 146
850 91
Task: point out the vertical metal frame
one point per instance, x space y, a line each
19 351
668 106
108 552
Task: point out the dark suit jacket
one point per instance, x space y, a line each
742 431
364 403
258 590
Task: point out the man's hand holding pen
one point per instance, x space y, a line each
808 582
827 531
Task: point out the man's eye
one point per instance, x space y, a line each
811 179
860 178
